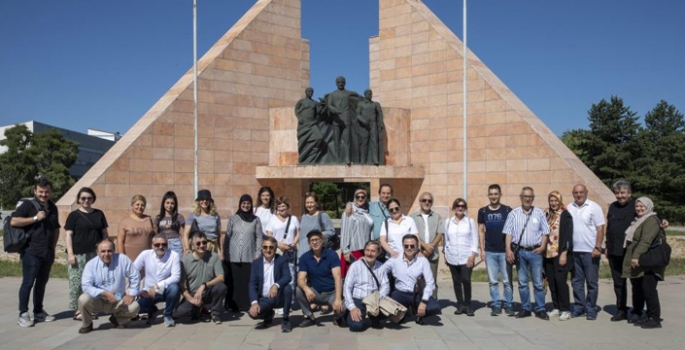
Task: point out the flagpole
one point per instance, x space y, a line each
195 155
464 102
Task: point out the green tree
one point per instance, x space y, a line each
47 154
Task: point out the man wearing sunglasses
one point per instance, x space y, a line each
408 270
270 286
431 229
162 269
202 281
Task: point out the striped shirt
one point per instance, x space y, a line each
359 283
535 229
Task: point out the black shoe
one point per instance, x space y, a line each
152 315
286 327
419 320
469 312
541 315
460 310
651 323
523 314
376 324
264 324
307 322
634 318
113 321
86 329
620 316
339 321
216 319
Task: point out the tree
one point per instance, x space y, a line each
47 154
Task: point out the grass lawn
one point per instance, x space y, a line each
10 268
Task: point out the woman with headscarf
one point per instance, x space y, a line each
639 237
242 245
355 231
559 256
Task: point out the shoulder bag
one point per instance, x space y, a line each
659 253
515 247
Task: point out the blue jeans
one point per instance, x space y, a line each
585 269
496 263
175 245
530 265
36 271
170 297
359 326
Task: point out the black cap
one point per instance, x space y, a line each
204 194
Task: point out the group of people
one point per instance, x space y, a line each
266 259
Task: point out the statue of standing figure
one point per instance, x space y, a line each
370 130
343 128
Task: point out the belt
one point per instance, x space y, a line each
530 249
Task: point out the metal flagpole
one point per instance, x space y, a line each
195 156
465 135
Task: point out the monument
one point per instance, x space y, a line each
252 77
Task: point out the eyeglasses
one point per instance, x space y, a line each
426 201
87 199
460 206
160 245
527 197
315 240
360 197
268 247
201 243
409 246
394 210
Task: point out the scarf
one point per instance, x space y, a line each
630 232
247 216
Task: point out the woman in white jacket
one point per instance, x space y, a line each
461 249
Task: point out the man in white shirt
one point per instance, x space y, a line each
407 270
431 229
588 235
364 277
104 287
270 287
162 274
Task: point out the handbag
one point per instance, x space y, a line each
516 247
659 253
332 242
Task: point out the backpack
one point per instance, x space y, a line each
16 238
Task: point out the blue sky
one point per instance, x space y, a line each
102 64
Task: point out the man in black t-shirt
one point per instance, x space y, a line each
491 219
42 226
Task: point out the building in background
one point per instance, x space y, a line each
92 146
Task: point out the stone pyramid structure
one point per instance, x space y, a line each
252 77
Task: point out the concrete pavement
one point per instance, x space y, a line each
447 331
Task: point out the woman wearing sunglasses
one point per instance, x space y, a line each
355 231
461 249
394 228
85 227
241 246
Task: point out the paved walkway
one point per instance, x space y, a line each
449 331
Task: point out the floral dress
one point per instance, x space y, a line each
553 219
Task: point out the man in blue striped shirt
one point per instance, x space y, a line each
527 229
360 282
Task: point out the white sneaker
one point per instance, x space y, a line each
554 312
25 320
43 317
279 311
565 316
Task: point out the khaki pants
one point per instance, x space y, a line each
88 305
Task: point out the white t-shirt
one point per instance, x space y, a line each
586 219
407 225
264 215
277 227
426 233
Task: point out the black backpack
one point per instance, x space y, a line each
16 238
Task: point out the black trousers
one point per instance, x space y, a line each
557 277
620 283
212 298
644 292
237 278
461 281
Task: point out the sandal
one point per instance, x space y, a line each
77 316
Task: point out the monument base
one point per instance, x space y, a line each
342 173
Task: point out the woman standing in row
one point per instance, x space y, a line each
171 223
394 228
242 246
136 231
85 227
204 217
264 209
461 249
313 219
558 260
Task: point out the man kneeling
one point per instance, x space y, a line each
407 269
270 286
364 277
104 283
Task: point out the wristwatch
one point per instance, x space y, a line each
35 218
601 250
